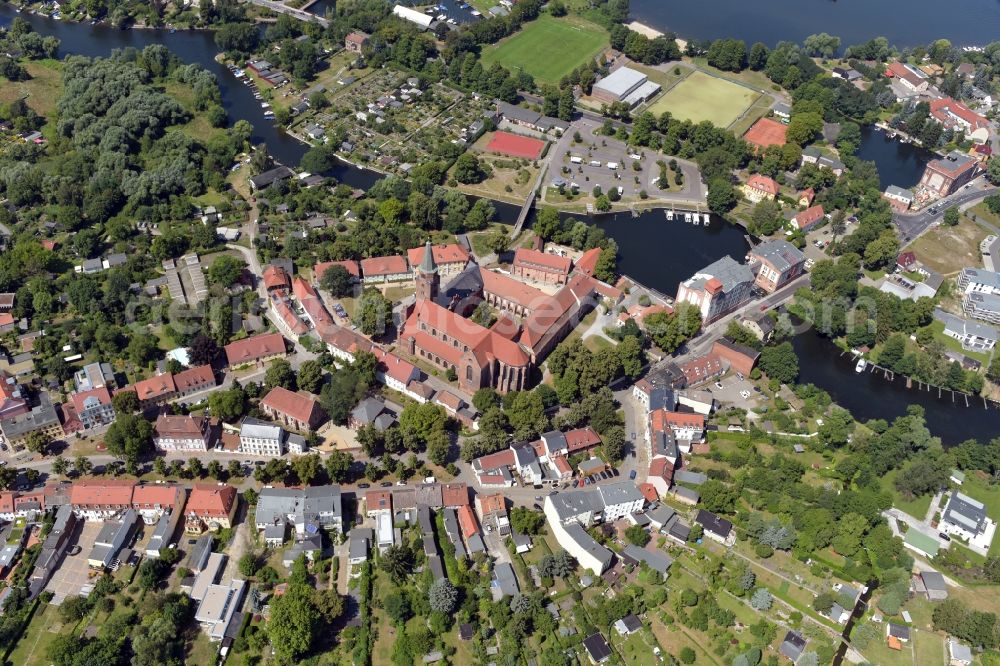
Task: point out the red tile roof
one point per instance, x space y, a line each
102 492
251 349
946 110
467 521
483 343
512 290
649 492
663 468
376 500
493 503
352 267
393 265
211 501
155 387
275 277
766 132
580 439
543 261
809 217
449 400
102 394
587 262
358 38
200 375
808 194
701 368
168 425
346 340
393 366
763 184
454 494
900 71
562 465
549 314
166 496
295 405
287 314
6 319
453 253
661 419
496 460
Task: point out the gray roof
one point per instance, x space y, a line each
368 410
622 492
621 81
780 253
899 631
427 265
793 645
679 530
42 416
959 652
896 191
965 326
781 108
713 523
966 512
554 440
687 493
933 580
569 505
661 514
258 429
504 579
656 561
727 271
586 542
987 302
685 476
981 276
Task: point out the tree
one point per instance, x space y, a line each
557 565
485 398
129 437
293 622
525 521
125 402
823 602
670 330
310 376
338 466
632 358
38 442
547 223
280 373
498 241
951 216
637 535
780 362
397 607
613 443
761 599
418 422
228 405
225 270
337 280
202 351
687 655
60 466
249 564
397 561
468 169
722 196
442 596
821 45
374 313
307 468
993 171
141 349
803 128
82 465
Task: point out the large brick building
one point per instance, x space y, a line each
293 410
717 289
946 175
776 263
541 266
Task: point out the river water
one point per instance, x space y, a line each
657 253
902 22
898 163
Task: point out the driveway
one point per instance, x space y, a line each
73 575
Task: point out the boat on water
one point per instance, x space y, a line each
860 366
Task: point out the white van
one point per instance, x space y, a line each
613 166
576 160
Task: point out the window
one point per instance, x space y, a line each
468 373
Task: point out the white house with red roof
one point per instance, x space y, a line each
956 115
182 433
541 266
393 371
193 380
256 349
759 187
451 259
94 407
385 269
809 218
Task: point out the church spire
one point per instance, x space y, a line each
427 265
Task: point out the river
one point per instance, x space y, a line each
902 22
898 163
655 252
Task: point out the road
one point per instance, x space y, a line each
913 225
291 11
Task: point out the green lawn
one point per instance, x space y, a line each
702 97
955 345
549 48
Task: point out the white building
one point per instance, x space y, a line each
717 289
972 335
620 499
259 438
966 518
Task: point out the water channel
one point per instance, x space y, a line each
654 251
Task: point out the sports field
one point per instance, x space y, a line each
549 48
702 97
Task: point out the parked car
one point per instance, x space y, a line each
364 485
631 475
944 536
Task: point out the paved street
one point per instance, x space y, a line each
913 225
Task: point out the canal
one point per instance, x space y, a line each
656 252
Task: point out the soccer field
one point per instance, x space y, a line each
702 97
548 48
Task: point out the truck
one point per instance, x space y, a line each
613 166
576 160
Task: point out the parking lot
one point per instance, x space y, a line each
73 574
588 163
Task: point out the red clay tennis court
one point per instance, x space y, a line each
515 145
